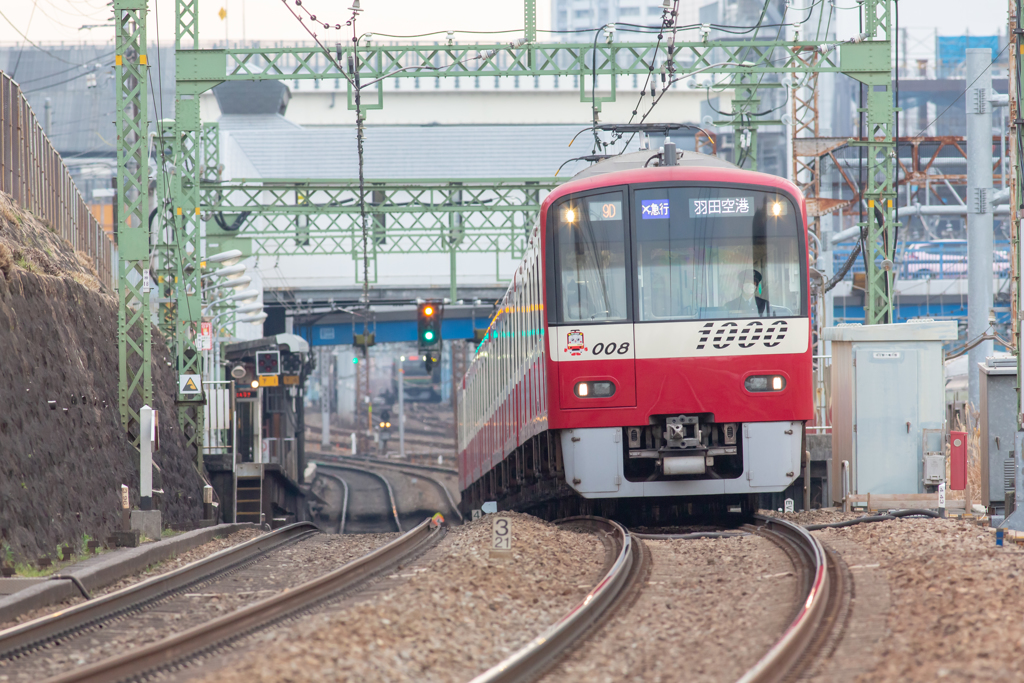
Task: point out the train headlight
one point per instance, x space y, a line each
595 389
570 215
760 383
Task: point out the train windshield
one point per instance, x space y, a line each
706 252
591 251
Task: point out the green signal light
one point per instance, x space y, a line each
428 335
355 361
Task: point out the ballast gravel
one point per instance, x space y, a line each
282 568
818 516
709 609
449 616
954 611
170 564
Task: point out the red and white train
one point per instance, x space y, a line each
652 349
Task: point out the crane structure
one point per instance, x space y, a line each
410 215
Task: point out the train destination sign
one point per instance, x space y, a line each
725 206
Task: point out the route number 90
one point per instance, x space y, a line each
501 538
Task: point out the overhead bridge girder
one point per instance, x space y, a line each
407 216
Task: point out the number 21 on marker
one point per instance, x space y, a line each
502 537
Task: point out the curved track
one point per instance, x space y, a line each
533 658
820 608
342 508
412 475
371 507
819 611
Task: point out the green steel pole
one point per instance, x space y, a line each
187 160
134 330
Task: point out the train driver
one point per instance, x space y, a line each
748 302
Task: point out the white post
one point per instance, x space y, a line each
325 399
354 444
401 409
979 213
146 428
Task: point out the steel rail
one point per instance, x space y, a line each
18 640
401 467
216 633
387 485
801 633
344 499
529 661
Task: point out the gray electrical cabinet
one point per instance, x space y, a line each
998 386
888 403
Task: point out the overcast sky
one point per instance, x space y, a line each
269 20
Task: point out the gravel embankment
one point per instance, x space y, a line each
954 612
709 610
282 568
197 553
449 616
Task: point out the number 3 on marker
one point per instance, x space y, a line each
502 536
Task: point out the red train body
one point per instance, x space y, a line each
654 343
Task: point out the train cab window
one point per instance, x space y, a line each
716 252
590 237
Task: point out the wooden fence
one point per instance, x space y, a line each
34 174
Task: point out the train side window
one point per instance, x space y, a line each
591 257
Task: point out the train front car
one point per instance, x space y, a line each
676 357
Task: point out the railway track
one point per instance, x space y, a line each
413 473
24 639
215 635
342 508
818 613
813 629
370 504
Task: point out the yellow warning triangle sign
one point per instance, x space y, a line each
190 385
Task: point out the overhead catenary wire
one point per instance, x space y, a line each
35 45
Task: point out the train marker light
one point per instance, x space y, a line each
762 383
595 389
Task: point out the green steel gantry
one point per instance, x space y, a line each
425 216
134 331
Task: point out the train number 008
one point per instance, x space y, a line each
611 349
